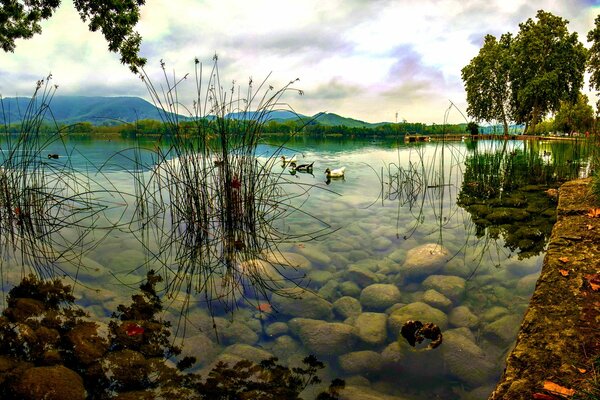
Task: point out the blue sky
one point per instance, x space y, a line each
367 59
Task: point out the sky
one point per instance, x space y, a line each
372 60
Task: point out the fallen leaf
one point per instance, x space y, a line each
543 396
590 227
563 272
555 388
563 259
582 370
594 213
594 281
133 329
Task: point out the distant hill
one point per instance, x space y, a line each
95 109
337 120
117 110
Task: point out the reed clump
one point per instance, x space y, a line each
212 210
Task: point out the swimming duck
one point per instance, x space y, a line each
285 161
335 173
302 167
52 155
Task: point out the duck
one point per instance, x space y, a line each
335 173
301 167
52 155
285 161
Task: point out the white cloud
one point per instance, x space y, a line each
364 59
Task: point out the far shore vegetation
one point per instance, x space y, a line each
578 121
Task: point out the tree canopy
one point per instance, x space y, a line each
486 80
523 78
594 57
575 117
20 19
547 68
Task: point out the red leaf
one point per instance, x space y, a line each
563 272
134 329
563 259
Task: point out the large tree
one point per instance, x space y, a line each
575 117
20 19
594 58
486 80
547 67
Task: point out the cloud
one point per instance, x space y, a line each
361 58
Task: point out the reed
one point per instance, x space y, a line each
41 197
212 211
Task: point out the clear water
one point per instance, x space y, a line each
373 220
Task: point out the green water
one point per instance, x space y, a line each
394 198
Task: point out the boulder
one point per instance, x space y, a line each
87 345
450 286
418 311
298 302
379 296
462 316
425 260
346 307
436 299
364 362
365 393
361 276
504 328
50 383
247 352
371 327
466 361
276 329
324 338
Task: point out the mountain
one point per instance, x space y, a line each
117 110
72 109
337 120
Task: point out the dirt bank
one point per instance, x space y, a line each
560 334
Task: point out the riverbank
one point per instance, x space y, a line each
559 338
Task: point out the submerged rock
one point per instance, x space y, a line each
324 338
380 296
87 345
371 327
301 303
364 393
462 316
49 383
415 311
450 286
347 307
467 361
436 299
505 328
425 260
364 362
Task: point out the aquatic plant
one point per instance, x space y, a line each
44 334
212 211
42 196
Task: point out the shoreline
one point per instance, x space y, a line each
559 338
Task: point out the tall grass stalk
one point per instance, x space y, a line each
212 212
47 208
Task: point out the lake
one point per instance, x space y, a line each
451 234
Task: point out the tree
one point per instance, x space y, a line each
472 128
20 19
486 80
594 58
547 67
575 117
